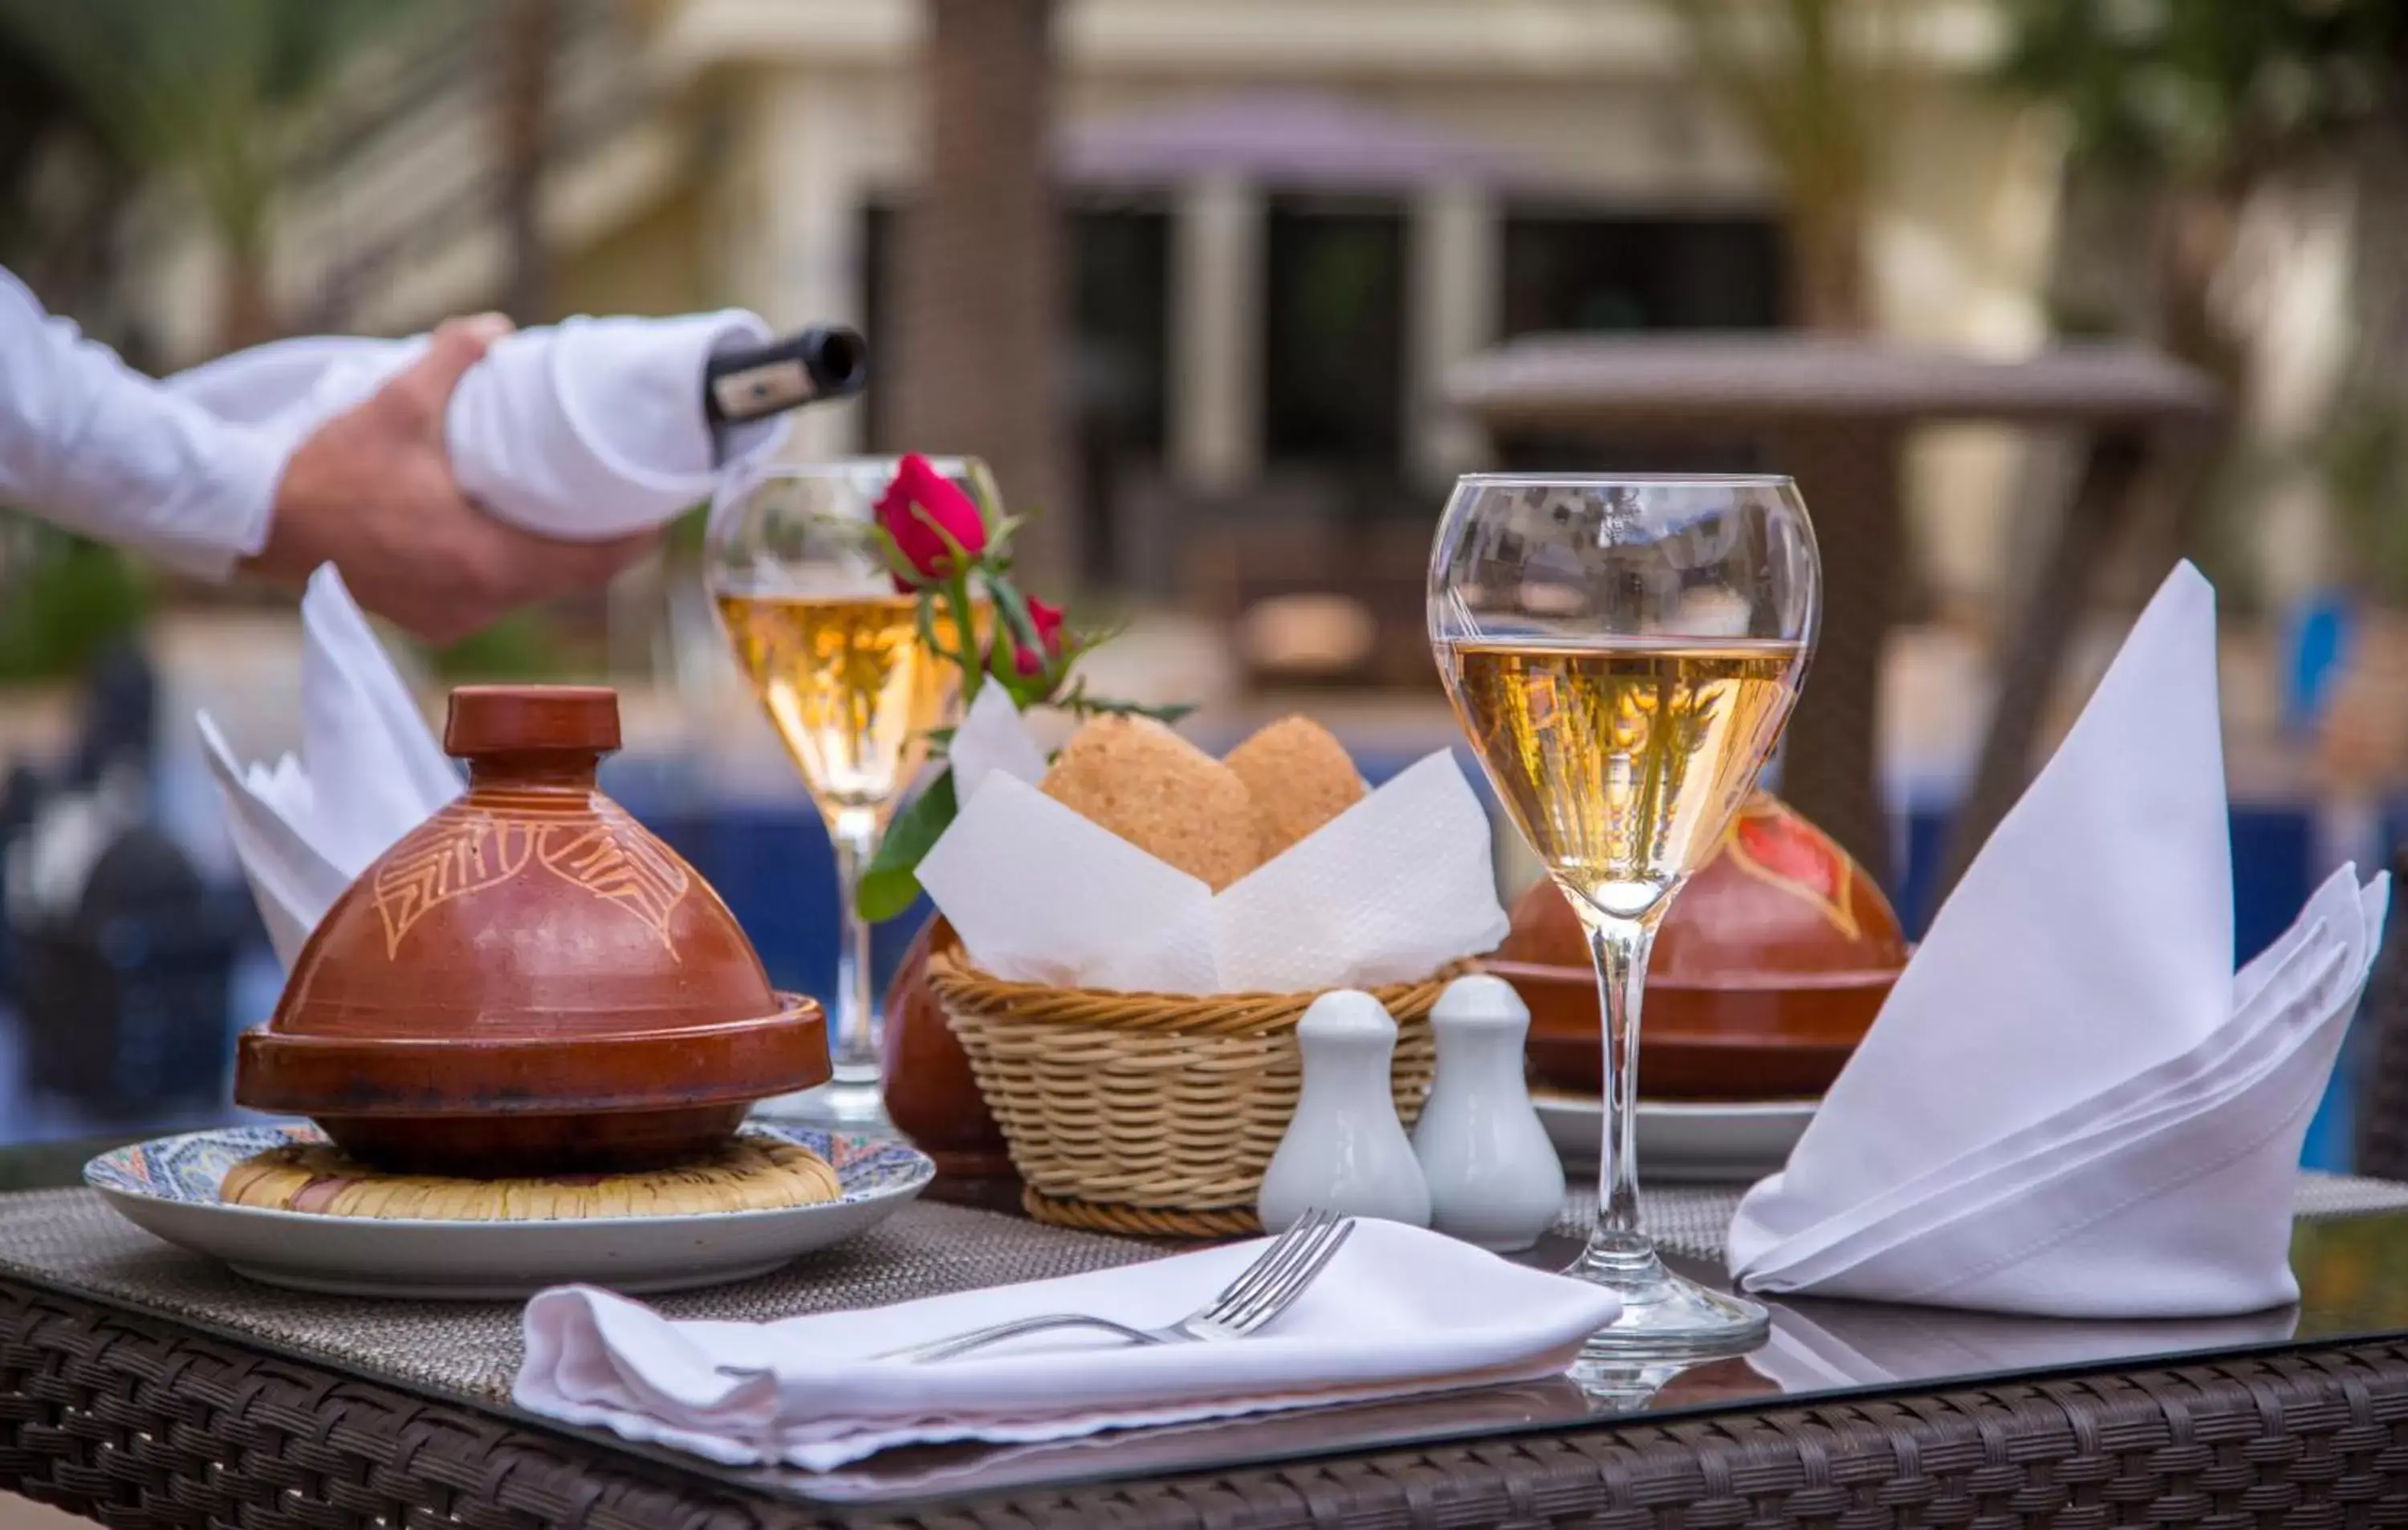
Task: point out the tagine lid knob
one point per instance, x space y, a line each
531 719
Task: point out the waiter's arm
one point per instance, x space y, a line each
90 444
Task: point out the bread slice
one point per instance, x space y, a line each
1300 777
1140 780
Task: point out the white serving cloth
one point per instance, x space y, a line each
587 429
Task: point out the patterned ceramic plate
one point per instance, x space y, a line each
169 1187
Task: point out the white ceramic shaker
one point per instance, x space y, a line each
1345 1151
1493 1175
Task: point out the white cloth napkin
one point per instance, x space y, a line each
588 429
1392 889
1399 1310
2070 1105
369 772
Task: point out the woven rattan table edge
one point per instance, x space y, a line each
142 1421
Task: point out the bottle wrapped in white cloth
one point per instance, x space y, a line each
584 430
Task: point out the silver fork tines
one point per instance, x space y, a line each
1261 1292
1270 1272
1312 1255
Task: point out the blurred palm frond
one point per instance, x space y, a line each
195 85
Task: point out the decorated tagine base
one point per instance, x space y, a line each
529 982
1769 968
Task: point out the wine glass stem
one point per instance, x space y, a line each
855 835
1620 947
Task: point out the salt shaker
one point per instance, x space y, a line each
1493 1175
1345 1151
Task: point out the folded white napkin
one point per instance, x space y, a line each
1399 1310
587 429
2070 1105
369 772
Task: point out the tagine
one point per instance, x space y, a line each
529 982
1768 970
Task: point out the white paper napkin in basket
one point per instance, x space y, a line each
586 429
1391 889
369 771
2070 1105
1399 1310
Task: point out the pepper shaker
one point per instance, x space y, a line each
1345 1151
1493 1175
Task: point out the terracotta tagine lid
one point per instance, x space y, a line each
1768 970
529 982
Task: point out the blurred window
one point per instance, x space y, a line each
1570 270
1334 317
1120 366
1117 354
1120 257
878 253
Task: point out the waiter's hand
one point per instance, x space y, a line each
371 492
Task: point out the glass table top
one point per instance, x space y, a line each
2354 1283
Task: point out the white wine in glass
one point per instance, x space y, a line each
850 687
843 668
1621 652
1622 762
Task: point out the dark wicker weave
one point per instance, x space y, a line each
141 1423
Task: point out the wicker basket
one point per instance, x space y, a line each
1151 1113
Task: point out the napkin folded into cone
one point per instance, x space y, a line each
369 772
2070 1105
1399 1310
1391 889
587 429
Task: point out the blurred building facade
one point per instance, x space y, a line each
1289 218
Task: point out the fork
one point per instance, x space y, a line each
1262 1291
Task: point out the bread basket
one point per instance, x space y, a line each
1153 1114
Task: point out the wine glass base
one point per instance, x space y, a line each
850 1101
1614 1383
1664 1316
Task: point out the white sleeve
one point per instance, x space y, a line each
92 445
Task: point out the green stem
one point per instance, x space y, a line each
957 592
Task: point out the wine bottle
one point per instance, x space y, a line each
818 365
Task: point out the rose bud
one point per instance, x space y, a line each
918 496
1047 620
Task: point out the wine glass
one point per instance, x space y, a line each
1623 652
841 664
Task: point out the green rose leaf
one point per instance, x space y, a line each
889 885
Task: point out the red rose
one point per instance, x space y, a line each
915 504
1047 620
